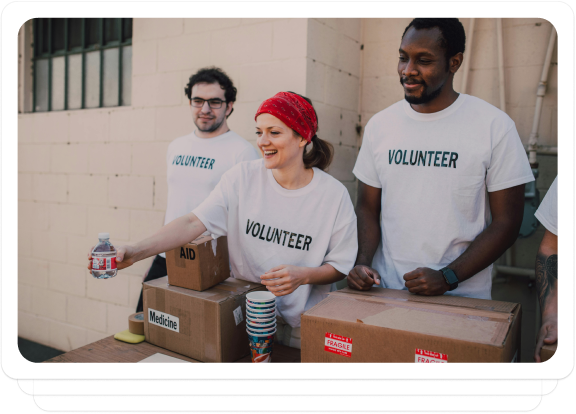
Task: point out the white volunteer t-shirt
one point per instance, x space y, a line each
547 213
435 171
195 166
268 225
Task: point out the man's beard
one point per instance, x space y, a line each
425 97
217 124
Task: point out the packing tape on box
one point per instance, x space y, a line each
136 323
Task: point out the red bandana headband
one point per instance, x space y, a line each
294 111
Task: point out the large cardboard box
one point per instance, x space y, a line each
386 325
208 326
548 351
199 265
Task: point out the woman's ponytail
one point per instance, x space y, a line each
322 152
320 155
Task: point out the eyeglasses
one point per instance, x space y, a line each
213 103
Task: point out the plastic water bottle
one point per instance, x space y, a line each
104 258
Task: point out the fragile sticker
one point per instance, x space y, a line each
429 357
238 317
338 344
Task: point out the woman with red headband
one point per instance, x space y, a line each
290 225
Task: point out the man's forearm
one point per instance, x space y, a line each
369 234
484 250
174 234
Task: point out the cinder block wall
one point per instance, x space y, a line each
333 83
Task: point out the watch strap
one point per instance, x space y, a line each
450 277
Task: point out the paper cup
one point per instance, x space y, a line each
261 354
260 298
261 329
261 347
265 307
261 323
260 318
267 331
262 314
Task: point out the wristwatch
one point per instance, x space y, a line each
450 277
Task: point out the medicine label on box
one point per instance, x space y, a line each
428 357
164 320
238 317
337 344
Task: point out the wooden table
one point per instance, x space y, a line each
112 350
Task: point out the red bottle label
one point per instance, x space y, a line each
103 263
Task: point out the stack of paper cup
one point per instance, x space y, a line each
261 324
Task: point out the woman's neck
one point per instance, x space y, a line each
293 177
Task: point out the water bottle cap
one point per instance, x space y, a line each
103 235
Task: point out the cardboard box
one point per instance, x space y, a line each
199 265
548 352
386 325
208 326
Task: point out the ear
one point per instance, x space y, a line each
229 108
455 62
302 143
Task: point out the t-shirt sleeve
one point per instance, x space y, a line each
365 167
547 213
343 246
248 154
213 211
509 164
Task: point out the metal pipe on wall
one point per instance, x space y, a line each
502 85
508 268
540 92
467 57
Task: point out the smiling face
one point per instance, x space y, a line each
423 67
279 146
210 121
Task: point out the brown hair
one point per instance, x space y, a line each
321 153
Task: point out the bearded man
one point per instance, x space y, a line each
441 177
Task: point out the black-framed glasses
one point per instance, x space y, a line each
213 103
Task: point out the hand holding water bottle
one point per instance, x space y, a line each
104 260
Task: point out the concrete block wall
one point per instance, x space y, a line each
524 42
80 173
333 83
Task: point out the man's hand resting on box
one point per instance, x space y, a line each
426 281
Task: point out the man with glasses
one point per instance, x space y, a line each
197 161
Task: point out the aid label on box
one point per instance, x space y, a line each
429 357
338 344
